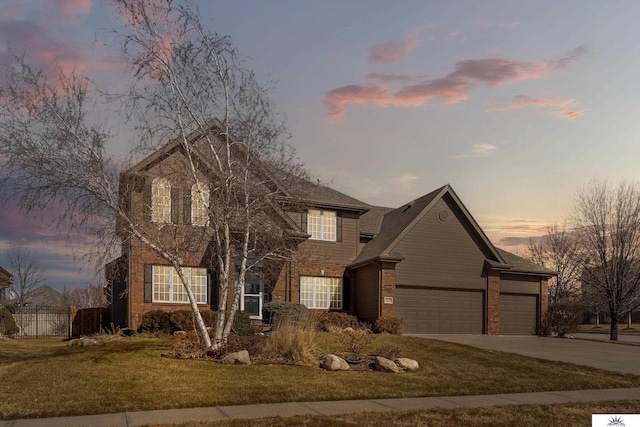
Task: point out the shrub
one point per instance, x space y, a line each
389 325
243 325
273 310
7 323
167 322
336 320
355 340
563 317
292 339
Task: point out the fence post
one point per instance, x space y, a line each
37 321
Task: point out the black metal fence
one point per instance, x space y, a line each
36 321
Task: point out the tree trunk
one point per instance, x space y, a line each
613 336
597 319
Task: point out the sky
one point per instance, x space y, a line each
515 104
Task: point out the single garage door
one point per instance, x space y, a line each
518 314
440 311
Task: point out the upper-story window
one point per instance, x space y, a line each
200 204
321 225
161 200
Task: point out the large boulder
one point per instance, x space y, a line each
331 362
385 365
237 358
406 364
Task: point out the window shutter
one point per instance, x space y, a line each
303 222
338 227
186 214
346 293
146 200
148 283
175 205
212 289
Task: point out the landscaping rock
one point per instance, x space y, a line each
407 364
179 333
237 358
348 329
331 362
385 365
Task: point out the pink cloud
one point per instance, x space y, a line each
71 8
450 90
498 71
393 50
565 107
390 78
454 87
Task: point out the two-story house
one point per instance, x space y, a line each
427 262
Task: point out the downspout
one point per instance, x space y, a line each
379 289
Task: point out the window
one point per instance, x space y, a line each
200 204
167 286
321 225
160 200
321 292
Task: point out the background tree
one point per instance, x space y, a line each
559 250
89 296
28 275
607 220
181 76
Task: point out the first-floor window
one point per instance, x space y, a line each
167 286
321 292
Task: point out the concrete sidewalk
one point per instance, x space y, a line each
287 409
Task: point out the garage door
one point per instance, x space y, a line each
440 311
518 314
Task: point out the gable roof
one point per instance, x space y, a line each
5 275
371 221
522 265
398 222
321 196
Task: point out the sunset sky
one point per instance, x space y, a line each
516 104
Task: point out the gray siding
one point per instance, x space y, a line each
440 253
343 252
519 284
367 292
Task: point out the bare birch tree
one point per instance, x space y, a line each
182 76
559 250
607 220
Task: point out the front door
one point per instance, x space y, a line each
251 301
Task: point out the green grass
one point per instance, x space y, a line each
44 378
566 414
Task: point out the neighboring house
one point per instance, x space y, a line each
5 282
427 262
44 296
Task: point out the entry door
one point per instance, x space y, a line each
251 301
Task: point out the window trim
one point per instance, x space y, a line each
317 281
322 225
161 213
174 280
202 206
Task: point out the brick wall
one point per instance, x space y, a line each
493 302
388 270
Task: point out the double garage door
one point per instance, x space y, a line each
448 311
440 311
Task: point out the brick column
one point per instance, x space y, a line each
493 302
544 302
388 287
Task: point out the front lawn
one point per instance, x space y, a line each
45 378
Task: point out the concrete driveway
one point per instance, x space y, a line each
603 355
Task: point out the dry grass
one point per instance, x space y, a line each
293 340
604 329
45 378
566 415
